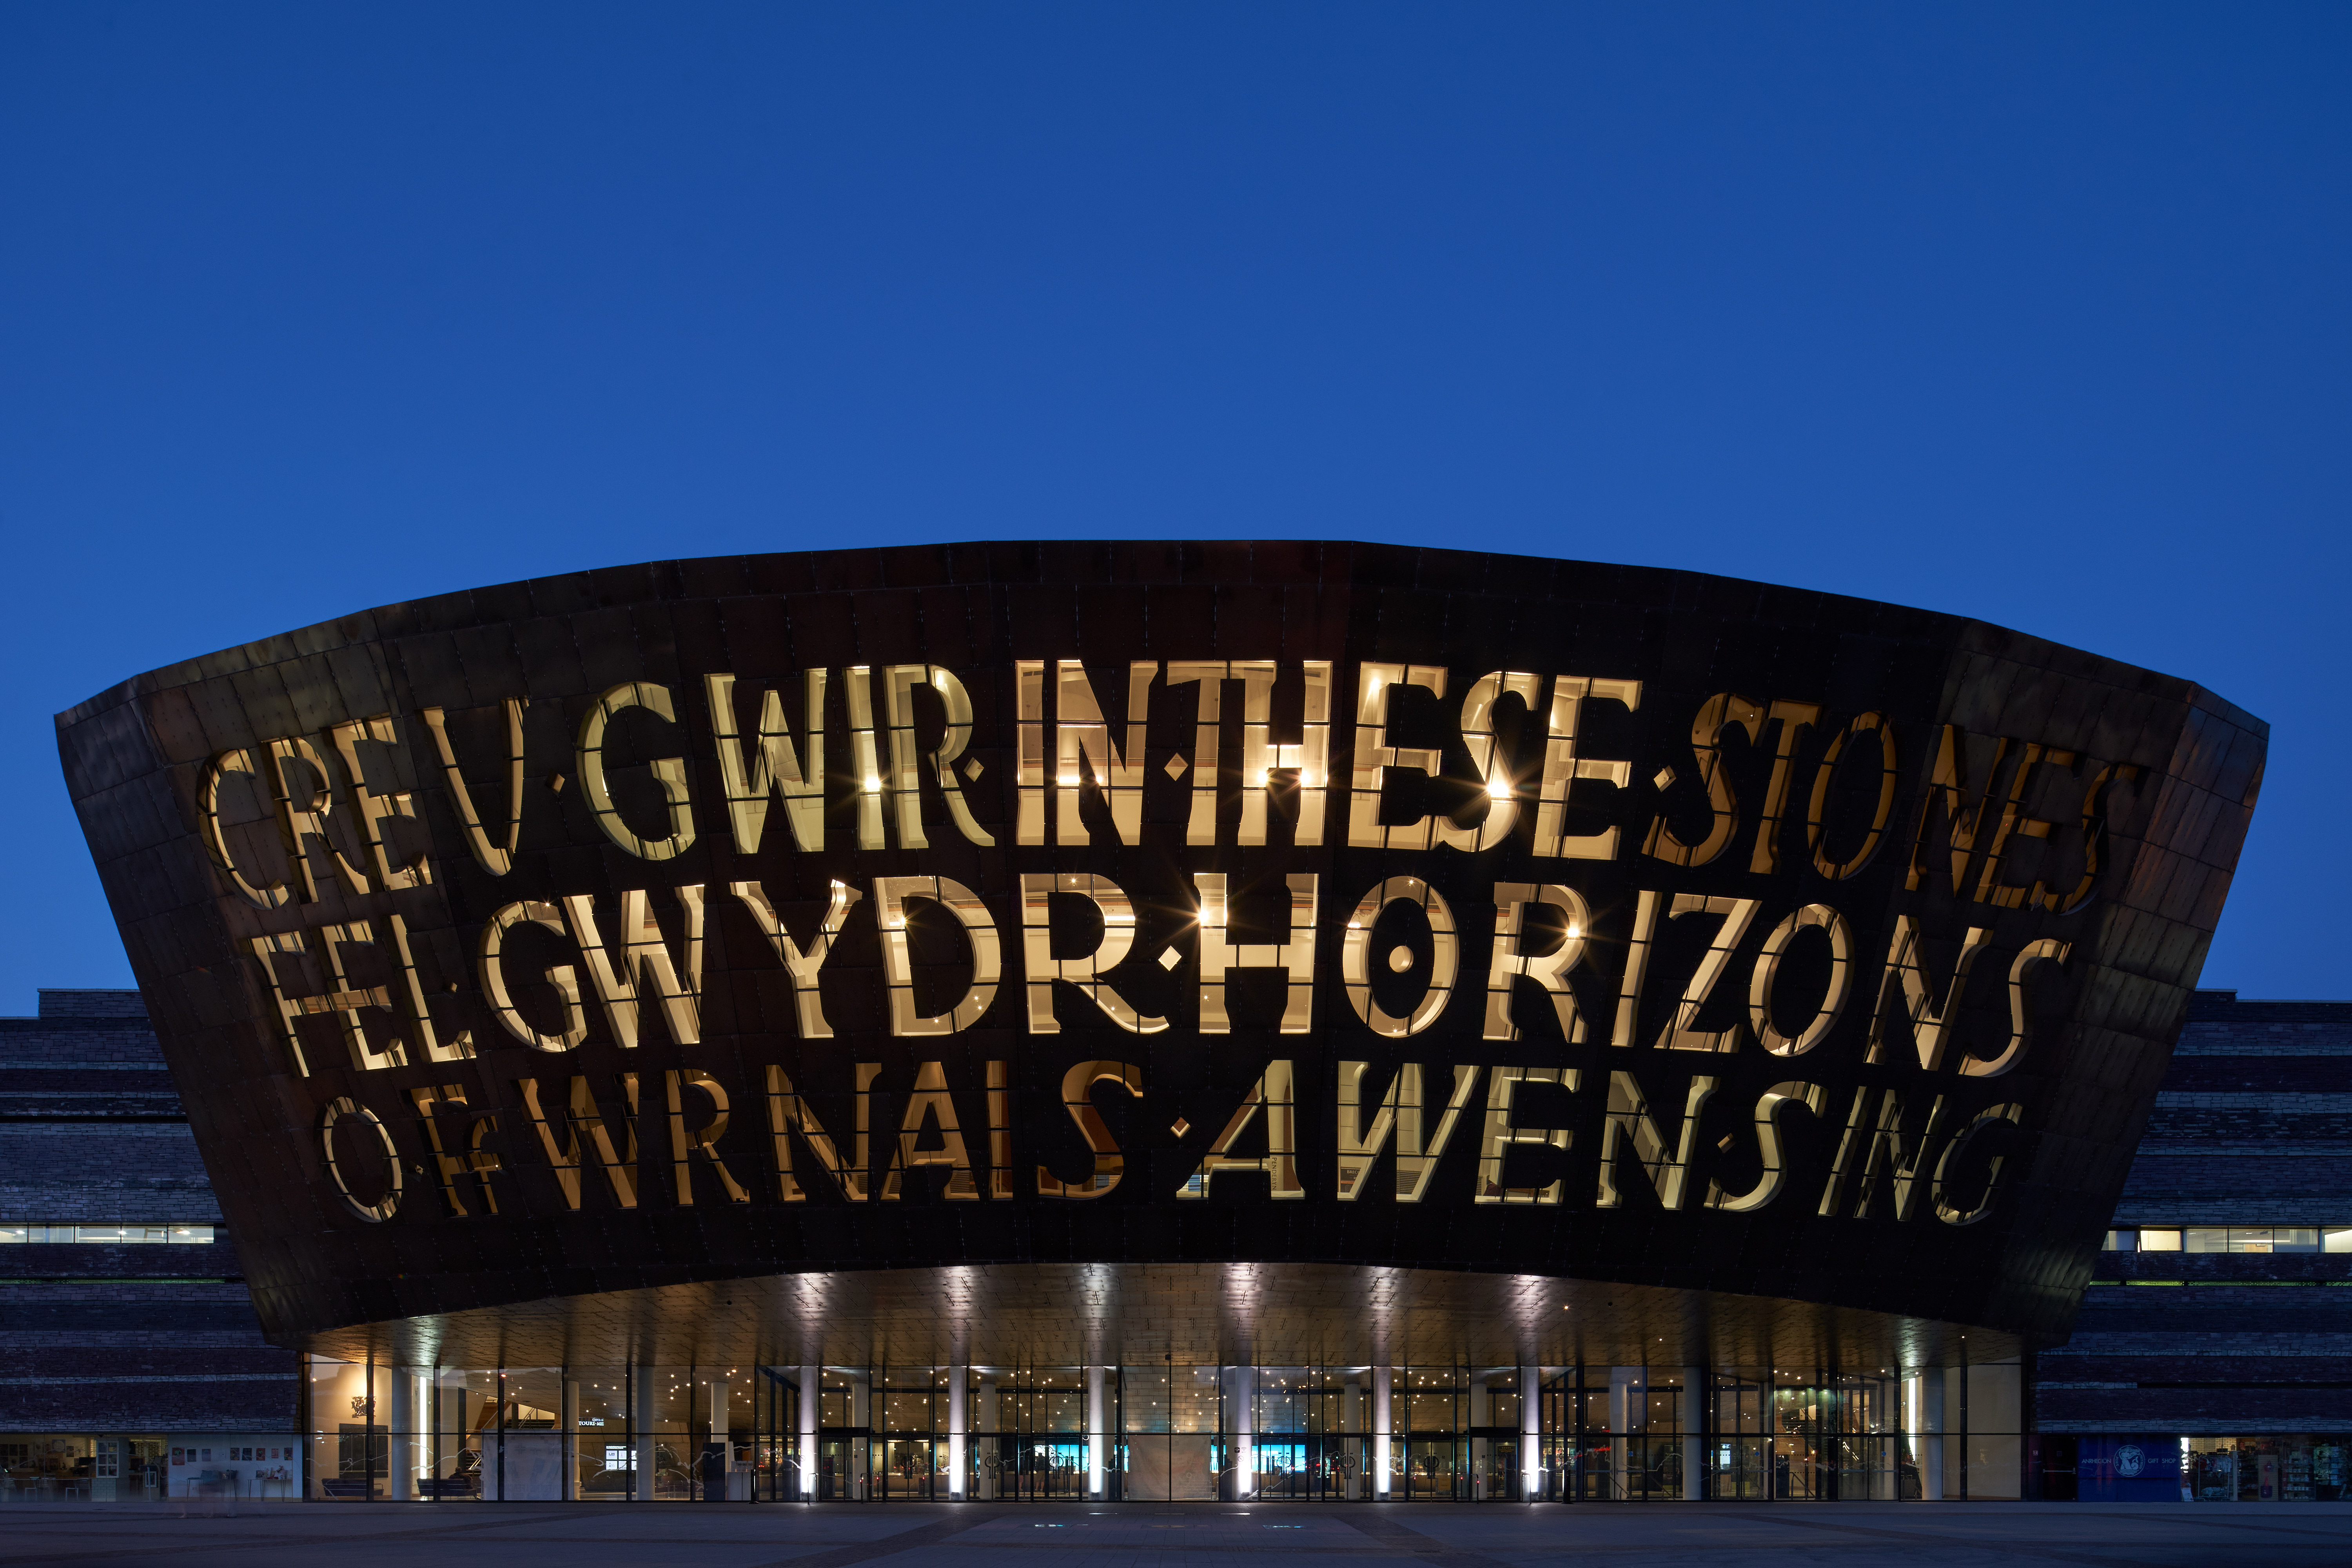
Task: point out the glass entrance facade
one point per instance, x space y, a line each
1169 1432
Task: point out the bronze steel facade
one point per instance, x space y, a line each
1101 954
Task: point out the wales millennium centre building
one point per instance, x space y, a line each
1159 1021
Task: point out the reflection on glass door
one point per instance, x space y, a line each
908 1468
1050 1469
841 1469
1500 1468
1433 1469
1312 1466
1284 1468
1832 1440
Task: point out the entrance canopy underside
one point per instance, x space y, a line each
1102 1313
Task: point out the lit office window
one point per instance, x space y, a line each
2232 1239
2253 1238
105 1235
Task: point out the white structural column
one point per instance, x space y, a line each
401 1423
1351 1422
985 1423
1241 1408
1530 1433
1629 1405
570 1425
812 1403
645 1464
1694 1433
957 1464
1924 1396
719 1419
1383 1431
1097 1431
1482 1413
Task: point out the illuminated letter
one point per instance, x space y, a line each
1947 787
1295 957
1817 812
302 813
1628 1123
1931 1027
788 1112
1280 1165
1082 745
1563 767
1805 1096
1042 968
1505 968
905 776
337 1108
930 1103
1768 970
620 1168
1077 1098
1262 758
267 895
1682 1033
376 808
345 999
1716 714
1794 719
1495 783
1501 1083
289 1011
1946 1211
1400 1113
562 977
684 1144
2035 952
808 1001
1201 828
477 1160
2094 840
1375 756
774 768
891 896
1029 750
1637 968
643 957
669 771
497 859
1355 956
999 1132
1889 1152
2014 822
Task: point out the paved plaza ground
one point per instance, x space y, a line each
523 1535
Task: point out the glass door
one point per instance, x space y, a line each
1052 1469
908 1466
1433 1469
1284 1471
841 1462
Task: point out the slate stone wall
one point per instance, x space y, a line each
144 1339
2253 1127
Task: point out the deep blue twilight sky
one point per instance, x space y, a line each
2037 313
